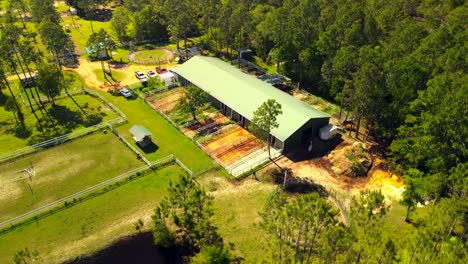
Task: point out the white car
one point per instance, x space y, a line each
126 93
151 74
139 75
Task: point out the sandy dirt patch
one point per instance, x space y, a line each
167 103
210 123
86 70
231 146
329 170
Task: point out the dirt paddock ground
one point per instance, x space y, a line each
210 123
231 146
321 166
167 103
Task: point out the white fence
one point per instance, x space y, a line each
50 206
73 135
58 140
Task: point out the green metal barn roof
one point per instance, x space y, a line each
245 93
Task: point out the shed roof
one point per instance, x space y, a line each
245 93
139 132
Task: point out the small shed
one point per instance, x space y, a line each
167 78
141 135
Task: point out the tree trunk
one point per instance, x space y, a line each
185 44
358 124
358 259
339 115
269 145
194 116
407 219
311 245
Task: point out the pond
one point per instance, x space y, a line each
138 248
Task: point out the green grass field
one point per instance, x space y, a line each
168 139
150 55
61 171
70 114
92 224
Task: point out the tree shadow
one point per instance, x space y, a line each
93 119
66 117
22 132
296 184
98 14
76 103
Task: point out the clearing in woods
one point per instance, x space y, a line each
61 171
327 164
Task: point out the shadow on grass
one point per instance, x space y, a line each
22 132
66 117
150 148
94 119
296 184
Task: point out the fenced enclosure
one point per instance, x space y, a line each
73 135
87 193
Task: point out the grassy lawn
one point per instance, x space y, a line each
168 139
82 30
271 68
95 223
92 224
61 171
71 113
236 213
150 55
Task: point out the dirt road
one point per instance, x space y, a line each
87 68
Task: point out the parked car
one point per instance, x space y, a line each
139 75
161 70
151 74
126 93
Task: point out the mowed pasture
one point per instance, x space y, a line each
71 113
61 171
92 224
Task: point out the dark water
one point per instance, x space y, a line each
138 248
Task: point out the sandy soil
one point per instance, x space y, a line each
167 103
324 170
86 70
232 145
192 130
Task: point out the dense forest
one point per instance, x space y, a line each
400 65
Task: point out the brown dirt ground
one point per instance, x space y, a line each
86 71
167 103
324 170
192 130
232 145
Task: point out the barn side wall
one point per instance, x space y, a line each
309 130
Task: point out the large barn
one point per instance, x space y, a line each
238 95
